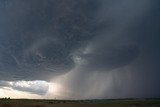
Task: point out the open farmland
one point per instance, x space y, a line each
80 103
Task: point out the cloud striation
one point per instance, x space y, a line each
93 48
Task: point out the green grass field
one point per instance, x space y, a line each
80 103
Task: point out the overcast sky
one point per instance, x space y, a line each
80 49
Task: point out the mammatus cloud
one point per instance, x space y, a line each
93 48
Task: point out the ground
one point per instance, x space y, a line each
80 103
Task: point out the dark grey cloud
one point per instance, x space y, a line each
3 83
103 46
127 53
37 38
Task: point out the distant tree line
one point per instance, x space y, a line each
6 98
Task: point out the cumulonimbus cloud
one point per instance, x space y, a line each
87 40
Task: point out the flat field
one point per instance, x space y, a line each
80 103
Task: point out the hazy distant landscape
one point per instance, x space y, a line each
80 103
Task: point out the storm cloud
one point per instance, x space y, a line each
93 48
38 38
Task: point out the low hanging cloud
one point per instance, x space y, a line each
33 87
